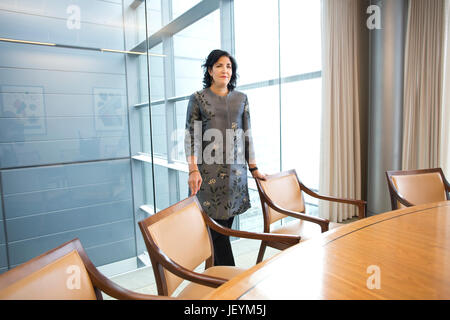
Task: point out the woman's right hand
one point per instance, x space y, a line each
195 181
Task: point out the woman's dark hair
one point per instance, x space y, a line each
211 60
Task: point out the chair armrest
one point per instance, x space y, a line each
402 200
114 290
187 274
362 205
323 223
270 237
105 285
446 183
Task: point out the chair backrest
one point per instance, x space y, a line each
180 234
416 186
284 190
57 274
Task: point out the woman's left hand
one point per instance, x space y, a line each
258 175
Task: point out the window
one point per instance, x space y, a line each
279 66
174 76
105 128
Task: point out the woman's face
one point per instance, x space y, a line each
221 72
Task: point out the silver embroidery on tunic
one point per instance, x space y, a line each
222 164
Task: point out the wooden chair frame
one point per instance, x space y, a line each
160 260
266 202
396 196
99 281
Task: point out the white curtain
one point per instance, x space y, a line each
445 127
340 163
423 126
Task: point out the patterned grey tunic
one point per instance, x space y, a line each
224 151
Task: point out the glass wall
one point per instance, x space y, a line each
278 52
65 168
93 104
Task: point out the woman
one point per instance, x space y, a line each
218 148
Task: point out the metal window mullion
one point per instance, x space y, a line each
250 86
279 86
171 27
169 91
227 26
132 69
147 49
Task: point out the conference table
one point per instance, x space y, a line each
401 254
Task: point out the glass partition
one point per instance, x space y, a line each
93 99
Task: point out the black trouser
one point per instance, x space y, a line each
223 254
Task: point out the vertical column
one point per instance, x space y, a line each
169 92
132 65
227 26
386 100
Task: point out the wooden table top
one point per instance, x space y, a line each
402 254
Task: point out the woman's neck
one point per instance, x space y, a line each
220 91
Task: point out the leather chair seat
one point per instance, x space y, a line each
194 290
305 229
62 273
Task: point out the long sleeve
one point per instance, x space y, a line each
249 147
220 120
193 132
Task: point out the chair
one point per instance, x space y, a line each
413 187
281 196
178 241
63 273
